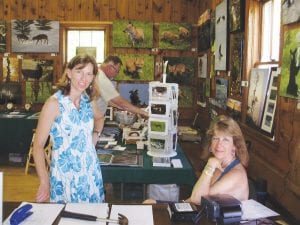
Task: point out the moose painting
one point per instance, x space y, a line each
290 70
35 36
132 34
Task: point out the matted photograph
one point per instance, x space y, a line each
173 138
35 35
132 34
136 67
204 36
186 97
258 85
180 70
221 92
159 91
10 69
37 91
159 109
137 93
175 36
158 126
157 143
290 79
202 66
37 69
221 36
2 36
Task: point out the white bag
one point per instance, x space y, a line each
163 192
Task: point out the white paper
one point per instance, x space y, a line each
95 209
254 210
136 214
42 214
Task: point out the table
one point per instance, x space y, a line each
15 133
160 214
149 174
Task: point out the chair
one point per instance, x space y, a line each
30 160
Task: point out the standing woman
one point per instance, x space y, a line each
68 117
225 171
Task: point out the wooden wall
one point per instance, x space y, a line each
103 13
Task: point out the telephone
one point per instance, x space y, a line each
223 208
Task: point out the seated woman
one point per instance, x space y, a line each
225 171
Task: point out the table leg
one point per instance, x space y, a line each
122 191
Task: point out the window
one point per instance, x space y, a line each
90 41
270 38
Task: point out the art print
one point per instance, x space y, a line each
136 68
258 85
137 94
158 144
204 36
173 140
37 92
159 109
236 64
201 98
180 70
221 36
2 36
159 91
10 69
35 36
175 36
202 66
236 15
290 78
158 126
290 11
132 34
271 102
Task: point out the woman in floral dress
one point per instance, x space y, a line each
70 119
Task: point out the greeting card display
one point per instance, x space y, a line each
162 123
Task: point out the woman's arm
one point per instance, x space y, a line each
98 122
49 111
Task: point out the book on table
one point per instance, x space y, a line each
123 159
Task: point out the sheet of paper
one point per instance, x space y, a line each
254 210
42 214
95 209
136 214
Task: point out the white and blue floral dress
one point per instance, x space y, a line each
75 173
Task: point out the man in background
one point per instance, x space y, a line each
108 70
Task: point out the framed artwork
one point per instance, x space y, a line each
35 36
92 51
159 109
137 94
2 36
290 11
258 85
10 69
37 69
221 92
202 66
212 28
37 91
290 68
236 64
10 92
136 68
158 126
132 34
180 70
175 36
236 15
221 36
270 105
109 114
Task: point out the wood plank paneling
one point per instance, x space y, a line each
104 10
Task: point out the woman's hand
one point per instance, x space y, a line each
214 163
43 193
